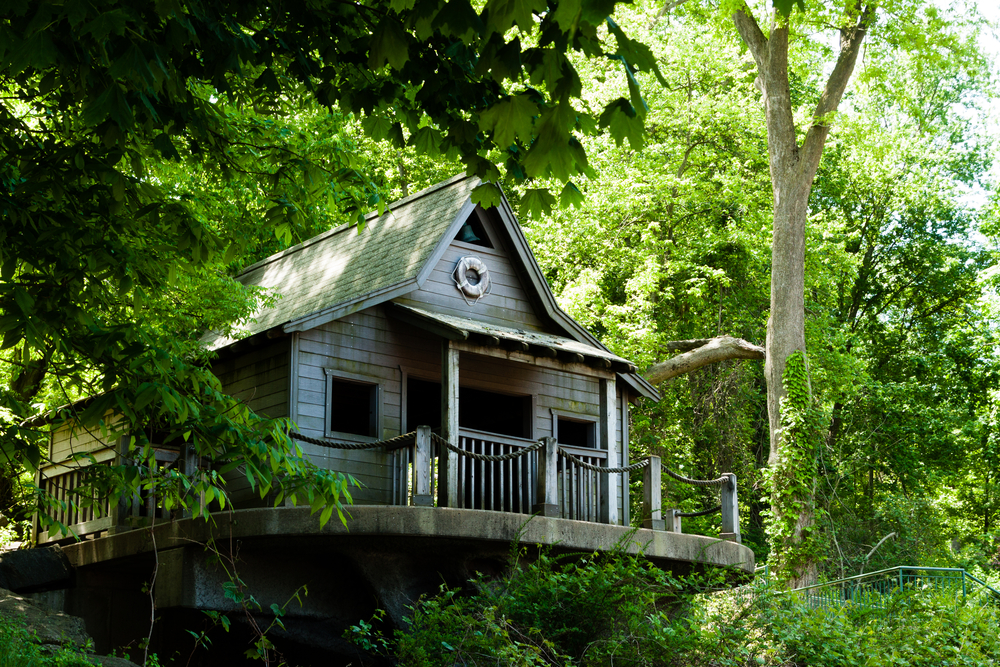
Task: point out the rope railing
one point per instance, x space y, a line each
390 444
638 465
697 482
490 458
717 508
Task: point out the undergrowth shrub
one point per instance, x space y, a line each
17 650
618 610
590 611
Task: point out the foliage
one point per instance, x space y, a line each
600 609
18 650
790 477
556 611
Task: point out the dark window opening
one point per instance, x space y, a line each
576 433
477 409
353 407
474 232
423 404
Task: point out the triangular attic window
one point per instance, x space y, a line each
473 232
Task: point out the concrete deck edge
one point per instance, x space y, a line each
424 522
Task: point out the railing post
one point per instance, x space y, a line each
422 468
730 511
672 519
548 482
652 503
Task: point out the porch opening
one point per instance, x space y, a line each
478 409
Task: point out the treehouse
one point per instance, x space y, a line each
424 355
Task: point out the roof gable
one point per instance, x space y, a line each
343 271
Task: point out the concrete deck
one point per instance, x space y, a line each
385 558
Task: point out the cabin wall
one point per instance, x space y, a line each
369 344
261 377
507 304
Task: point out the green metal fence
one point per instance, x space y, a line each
874 589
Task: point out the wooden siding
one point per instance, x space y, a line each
69 439
261 377
507 304
371 345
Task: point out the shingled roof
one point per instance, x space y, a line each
346 269
345 266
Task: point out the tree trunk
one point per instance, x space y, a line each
793 168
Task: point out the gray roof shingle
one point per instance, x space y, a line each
344 266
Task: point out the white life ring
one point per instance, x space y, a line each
473 265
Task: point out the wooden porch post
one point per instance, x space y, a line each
730 511
548 481
448 466
652 512
609 439
422 468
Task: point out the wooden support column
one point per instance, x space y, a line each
608 438
448 466
422 468
652 512
119 511
190 457
623 412
730 511
548 480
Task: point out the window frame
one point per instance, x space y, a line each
591 421
375 388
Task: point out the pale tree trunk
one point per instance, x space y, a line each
793 168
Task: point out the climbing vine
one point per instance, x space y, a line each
791 521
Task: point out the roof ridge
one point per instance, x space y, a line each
323 236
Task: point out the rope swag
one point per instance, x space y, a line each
389 445
698 482
487 457
701 513
639 465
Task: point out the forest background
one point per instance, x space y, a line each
652 222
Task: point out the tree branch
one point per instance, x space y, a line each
702 352
850 46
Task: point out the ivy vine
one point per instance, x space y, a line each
790 524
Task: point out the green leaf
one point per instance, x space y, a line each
595 11
571 196
509 119
163 144
268 81
389 43
536 202
624 123
503 14
426 140
487 195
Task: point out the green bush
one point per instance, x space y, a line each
17 650
618 610
589 611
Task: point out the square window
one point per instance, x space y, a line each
576 432
352 408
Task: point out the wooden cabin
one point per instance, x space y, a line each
372 324
434 314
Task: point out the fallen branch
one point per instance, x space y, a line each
701 352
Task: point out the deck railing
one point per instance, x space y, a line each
491 472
